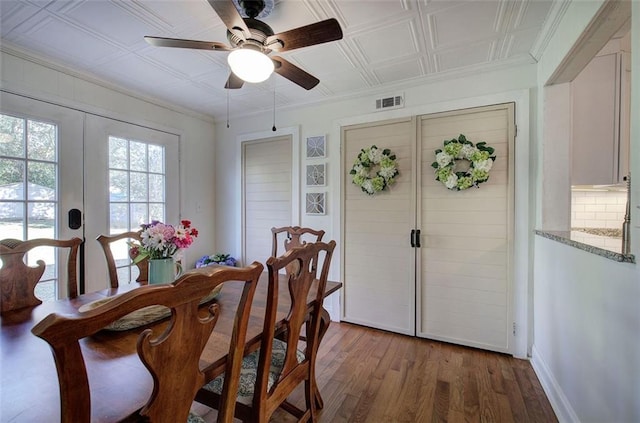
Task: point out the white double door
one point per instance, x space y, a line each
456 286
81 159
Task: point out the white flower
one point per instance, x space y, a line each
375 155
387 172
358 167
443 159
368 186
483 165
452 181
466 151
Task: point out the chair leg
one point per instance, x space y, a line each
325 321
310 399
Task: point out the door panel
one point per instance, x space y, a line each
378 259
457 286
43 210
103 216
267 193
467 236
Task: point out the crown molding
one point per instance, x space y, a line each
13 50
558 9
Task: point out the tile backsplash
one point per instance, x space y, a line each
598 209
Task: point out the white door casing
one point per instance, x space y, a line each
459 284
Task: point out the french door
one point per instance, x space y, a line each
55 159
455 284
131 177
41 169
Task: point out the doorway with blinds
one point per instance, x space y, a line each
457 285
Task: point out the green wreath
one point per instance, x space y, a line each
373 159
480 158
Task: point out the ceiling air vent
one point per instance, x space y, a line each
393 102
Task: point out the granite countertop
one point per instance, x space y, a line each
610 233
592 240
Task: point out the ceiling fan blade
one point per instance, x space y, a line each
294 73
230 16
234 82
304 36
176 42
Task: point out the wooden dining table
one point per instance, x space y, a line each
119 382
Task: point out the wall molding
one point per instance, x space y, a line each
559 402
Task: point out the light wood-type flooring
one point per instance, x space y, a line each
368 375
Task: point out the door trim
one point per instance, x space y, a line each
294 133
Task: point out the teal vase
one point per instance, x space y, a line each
164 270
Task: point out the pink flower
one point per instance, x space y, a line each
160 240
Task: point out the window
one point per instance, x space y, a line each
136 192
28 190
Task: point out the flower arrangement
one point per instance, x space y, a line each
160 240
367 161
225 259
479 156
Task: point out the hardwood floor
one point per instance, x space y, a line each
367 375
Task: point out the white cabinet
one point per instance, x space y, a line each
600 121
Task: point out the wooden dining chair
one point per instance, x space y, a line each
293 236
18 280
171 352
107 242
278 366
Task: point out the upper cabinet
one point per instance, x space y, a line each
600 107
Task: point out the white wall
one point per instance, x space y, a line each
586 317
587 350
37 79
466 91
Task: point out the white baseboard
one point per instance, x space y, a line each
559 402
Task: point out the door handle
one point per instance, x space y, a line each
75 219
417 239
413 238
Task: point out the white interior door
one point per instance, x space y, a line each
131 177
465 263
40 179
378 260
267 179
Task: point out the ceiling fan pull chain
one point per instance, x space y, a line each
274 105
228 109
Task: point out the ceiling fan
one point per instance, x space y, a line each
255 39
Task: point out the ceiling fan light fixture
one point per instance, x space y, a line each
250 65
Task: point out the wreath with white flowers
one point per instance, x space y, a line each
373 159
479 157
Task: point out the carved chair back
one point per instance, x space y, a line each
293 236
172 356
18 280
302 283
107 241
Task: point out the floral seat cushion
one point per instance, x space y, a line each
249 372
194 418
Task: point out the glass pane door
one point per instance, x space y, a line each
40 180
132 178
